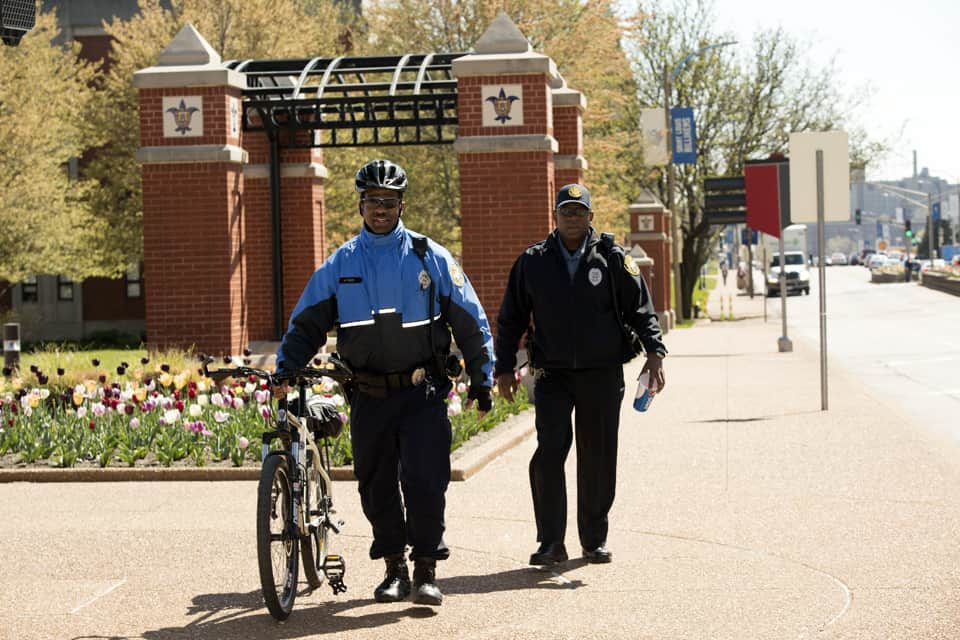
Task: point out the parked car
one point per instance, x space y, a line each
838 259
795 269
854 259
876 260
865 256
938 263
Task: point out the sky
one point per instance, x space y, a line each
905 54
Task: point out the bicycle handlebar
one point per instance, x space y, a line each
335 369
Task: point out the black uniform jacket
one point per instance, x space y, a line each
574 322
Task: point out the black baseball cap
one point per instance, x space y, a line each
574 193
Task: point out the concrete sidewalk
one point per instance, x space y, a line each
742 512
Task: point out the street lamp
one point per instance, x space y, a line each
668 80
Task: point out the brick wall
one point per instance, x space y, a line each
506 201
193 232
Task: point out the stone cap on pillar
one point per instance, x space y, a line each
188 61
504 50
567 97
646 202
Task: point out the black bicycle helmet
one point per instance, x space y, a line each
381 174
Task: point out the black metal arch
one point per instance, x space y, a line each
352 101
344 102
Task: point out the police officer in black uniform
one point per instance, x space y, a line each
590 311
394 296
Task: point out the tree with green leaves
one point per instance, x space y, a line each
747 100
584 40
236 29
45 224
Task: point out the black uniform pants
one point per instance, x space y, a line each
403 438
596 394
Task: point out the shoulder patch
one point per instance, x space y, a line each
631 265
456 273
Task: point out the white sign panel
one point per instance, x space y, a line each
803 176
182 116
653 137
502 105
645 223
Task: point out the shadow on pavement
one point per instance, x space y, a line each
243 615
514 579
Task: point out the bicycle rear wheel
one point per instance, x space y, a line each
277 537
313 548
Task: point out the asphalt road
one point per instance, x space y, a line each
900 339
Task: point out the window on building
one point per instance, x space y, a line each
64 288
134 282
28 290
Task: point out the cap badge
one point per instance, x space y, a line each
574 192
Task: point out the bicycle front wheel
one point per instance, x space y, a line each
277 537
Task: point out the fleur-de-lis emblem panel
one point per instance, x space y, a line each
182 116
503 105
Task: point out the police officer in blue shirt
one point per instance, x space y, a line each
591 311
394 296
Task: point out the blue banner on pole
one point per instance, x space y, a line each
684 135
879 229
936 212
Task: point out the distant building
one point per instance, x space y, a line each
50 307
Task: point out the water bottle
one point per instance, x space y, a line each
641 402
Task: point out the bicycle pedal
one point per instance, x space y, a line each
334 568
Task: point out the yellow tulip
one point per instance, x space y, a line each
17 384
166 379
90 385
34 401
180 381
77 398
140 394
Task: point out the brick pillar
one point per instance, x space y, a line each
507 184
302 177
569 163
192 199
650 230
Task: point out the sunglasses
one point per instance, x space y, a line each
574 211
373 202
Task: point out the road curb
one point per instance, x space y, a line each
465 462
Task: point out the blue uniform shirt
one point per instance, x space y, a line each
375 290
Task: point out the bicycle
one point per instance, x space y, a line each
294 495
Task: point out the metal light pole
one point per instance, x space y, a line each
668 80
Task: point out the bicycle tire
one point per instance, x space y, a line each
277 549
313 547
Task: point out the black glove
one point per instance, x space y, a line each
482 396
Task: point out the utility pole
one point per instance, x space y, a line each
668 79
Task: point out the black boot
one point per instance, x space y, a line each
425 589
396 582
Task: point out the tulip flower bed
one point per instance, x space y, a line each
164 415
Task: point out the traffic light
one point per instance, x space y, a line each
857 216
906 229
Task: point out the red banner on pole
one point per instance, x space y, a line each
767 185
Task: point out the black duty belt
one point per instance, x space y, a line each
378 384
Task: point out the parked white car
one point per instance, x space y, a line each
876 260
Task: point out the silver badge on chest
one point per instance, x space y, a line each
424 279
595 276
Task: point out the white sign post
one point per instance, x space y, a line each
820 191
